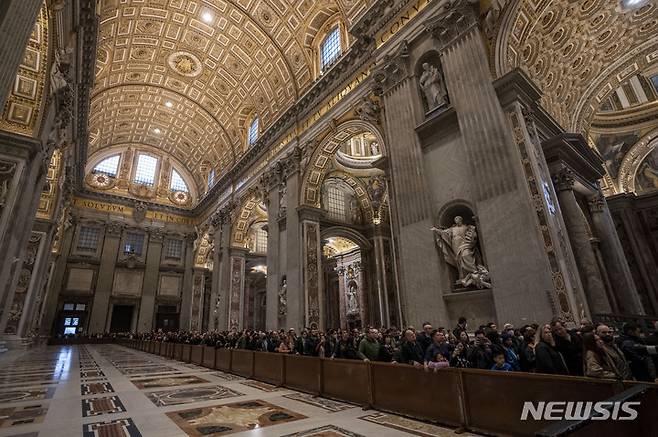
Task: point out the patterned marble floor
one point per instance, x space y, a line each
113 391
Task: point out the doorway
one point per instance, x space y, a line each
122 317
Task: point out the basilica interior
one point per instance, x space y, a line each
222 165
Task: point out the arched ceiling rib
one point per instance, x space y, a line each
579 51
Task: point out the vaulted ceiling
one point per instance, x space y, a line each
184 75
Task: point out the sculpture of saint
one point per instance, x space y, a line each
431 83
459 246
283 298
352 302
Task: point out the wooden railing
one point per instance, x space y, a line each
477 400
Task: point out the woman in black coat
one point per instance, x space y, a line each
547 358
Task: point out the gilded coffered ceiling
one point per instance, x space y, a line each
185 75
578 52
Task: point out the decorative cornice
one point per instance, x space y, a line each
115 228
597 203
393 69
455 19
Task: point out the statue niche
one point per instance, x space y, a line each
431 82
460 250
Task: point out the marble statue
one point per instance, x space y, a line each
352 302
374 148
283 298
459 246
283 201
431 83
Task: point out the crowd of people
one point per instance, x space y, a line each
597 351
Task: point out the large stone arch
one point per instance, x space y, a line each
576 52
249 212
360 192
320 161
632 160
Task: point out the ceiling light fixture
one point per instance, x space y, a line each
632 4
157 131
168 104
207 17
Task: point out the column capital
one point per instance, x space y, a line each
393 70
597 203
310 213
156 235
455 20
564 180
191 237
114 229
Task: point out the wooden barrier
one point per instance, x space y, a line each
242 362
303 373
268 367
414 392
346 380
196 356
223 360
208 357
507 391
185 354
151 347
477 400
178 352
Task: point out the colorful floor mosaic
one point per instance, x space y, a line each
231 418
113 428
171 381
263 386
27 414
325 431
98 406
35 394
316 401
96 388
189 395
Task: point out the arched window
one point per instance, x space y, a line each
252 134
211 178
145 171
259 244
335 203
330 48
177 182
108 166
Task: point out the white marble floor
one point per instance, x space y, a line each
110 390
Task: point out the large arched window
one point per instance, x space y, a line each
145 170
330 48
108 166
211 178
177 182
252 134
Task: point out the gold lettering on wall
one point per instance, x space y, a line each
401 21
127 211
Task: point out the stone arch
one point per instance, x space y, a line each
249 212
454 208
633 159
318 166
360 191
346 232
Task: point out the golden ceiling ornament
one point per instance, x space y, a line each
577 52
185 64
100 181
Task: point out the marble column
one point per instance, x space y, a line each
295 286
613 256
237 286
379 288
17 303
188 287
271 185
221 280
580 239
151 279
197 303
105 279
411 210
17 18
313 296
57 279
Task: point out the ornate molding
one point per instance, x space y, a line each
393 70
114 229
455 19
564 180
597 203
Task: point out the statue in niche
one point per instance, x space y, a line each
352 302
433 87
459 246
355 214
374 148
283 297
283 202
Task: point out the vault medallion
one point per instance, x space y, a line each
185 64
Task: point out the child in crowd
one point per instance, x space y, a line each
500 364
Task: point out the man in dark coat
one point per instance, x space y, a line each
411 352
638 354
570 345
